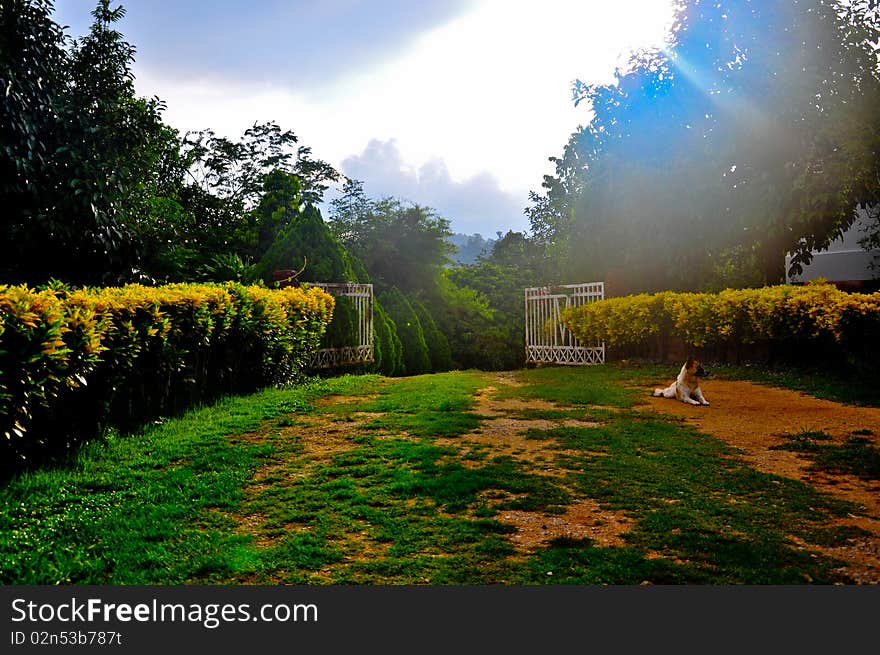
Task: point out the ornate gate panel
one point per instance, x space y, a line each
360 352
547 339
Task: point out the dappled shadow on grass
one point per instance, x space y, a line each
856 456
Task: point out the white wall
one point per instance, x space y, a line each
844 261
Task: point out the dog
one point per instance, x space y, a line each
686 387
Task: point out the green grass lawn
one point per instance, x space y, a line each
368 480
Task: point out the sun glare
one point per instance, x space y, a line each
496 82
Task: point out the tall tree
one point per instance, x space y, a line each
401 244
86 156
415 353
755 133
499 278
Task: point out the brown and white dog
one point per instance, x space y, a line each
686 387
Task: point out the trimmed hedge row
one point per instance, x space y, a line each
415 352
75 361
811 314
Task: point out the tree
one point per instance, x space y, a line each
227 180
32 93
470 247
404 248
306 240
499 278
470 325
439 351
401 244
755 133
388 350
416 358
86 158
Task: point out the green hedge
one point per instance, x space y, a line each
388 353
74 362
439 351
416 358
812 315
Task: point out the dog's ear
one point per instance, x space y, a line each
689 364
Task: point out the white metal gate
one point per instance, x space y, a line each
357 353
547 339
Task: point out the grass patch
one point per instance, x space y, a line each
427 405
404 512
236 493
836 535
856 456
575 386
693 503
804 442
148 508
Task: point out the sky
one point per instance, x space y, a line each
455 104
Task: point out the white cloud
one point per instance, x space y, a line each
304 45
487 91
476 204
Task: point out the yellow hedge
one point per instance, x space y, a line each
77 359
746 316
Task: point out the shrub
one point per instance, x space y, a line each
416 359
811 314
388 357
75 361
342 329
438 346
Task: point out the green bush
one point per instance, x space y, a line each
342 330
438 346
416 359
73 362
388 351
811 315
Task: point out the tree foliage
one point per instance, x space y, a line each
400 244
305 240
470 247
439 352
415 354
387 347
97 189
499 278
237 197
755 133
404 250
84 160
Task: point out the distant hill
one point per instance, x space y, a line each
470 246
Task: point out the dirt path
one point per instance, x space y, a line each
753 418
